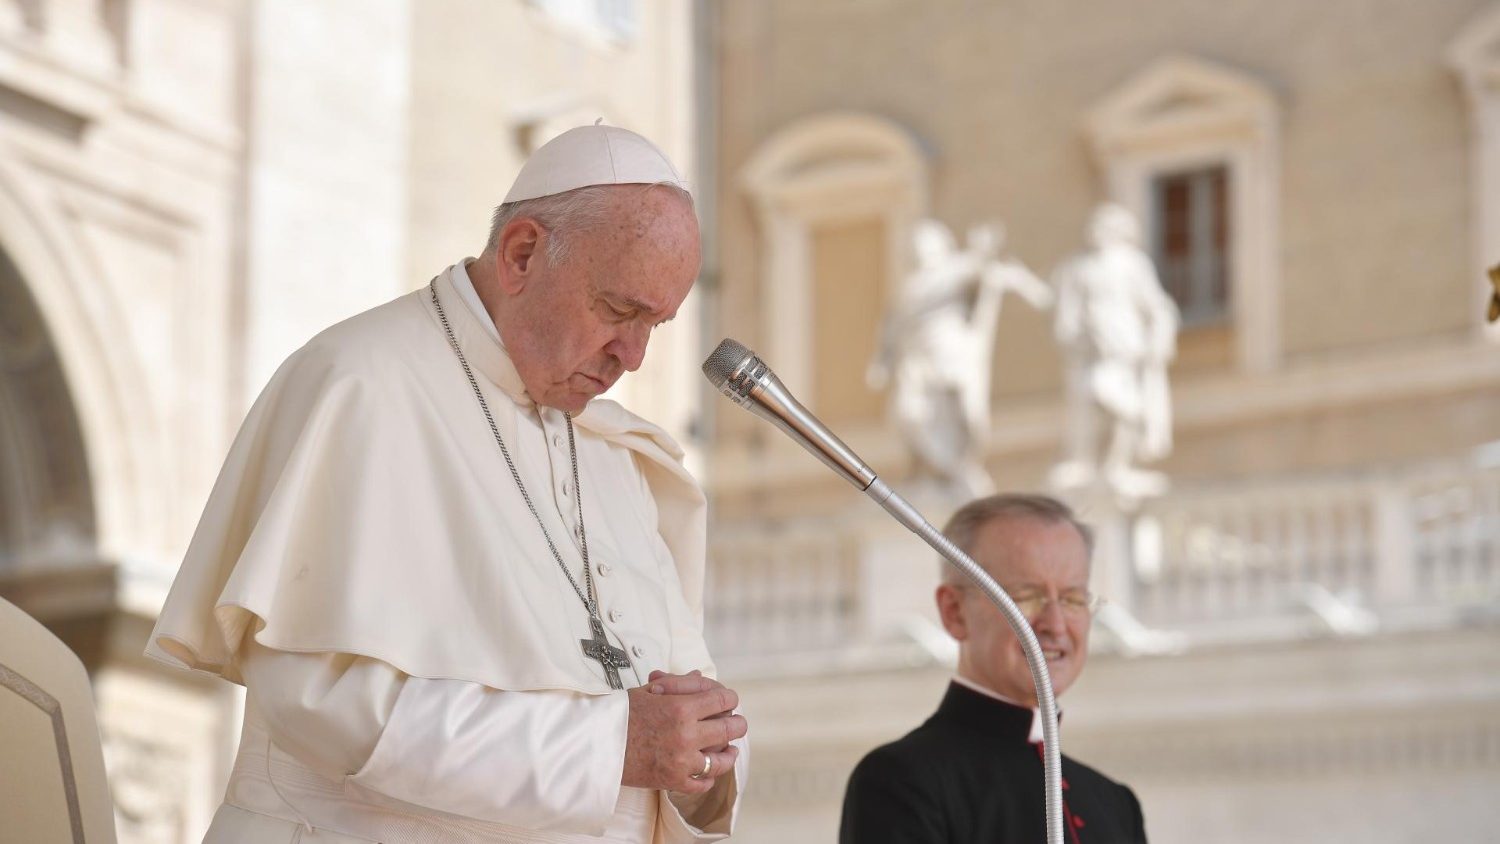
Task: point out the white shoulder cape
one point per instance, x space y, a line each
347 519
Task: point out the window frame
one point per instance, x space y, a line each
823 170
1218 310
1182 113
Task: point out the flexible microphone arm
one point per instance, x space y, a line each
746 380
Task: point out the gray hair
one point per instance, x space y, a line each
563 215
965 524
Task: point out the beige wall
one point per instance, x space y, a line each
848 302
1374 183
1374 186
483 70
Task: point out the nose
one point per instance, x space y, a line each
629 344
1049 619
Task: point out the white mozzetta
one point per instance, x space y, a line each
303 535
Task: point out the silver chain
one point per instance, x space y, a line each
589 599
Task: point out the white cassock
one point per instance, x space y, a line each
368 569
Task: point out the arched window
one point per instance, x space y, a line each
834 196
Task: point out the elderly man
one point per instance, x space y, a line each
973 771
463 594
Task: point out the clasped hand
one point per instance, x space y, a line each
676 720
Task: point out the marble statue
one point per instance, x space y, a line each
1118 332
938 345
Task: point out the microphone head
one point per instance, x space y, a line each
725 361
745 379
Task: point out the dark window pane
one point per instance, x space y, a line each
1191 245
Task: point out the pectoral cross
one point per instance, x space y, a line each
598 648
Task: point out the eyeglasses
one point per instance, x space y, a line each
1031 604
1077 604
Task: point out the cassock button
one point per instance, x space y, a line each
638 651
604 569
567 488
557 440
616 615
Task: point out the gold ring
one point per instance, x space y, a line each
708 762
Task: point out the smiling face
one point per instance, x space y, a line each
574 327
1030 558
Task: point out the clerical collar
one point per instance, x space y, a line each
477 335
1010 722
466 291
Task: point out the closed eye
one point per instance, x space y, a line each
629 309
618 312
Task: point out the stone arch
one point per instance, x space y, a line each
46 500
98 369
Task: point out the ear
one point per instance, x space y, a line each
518 253
951 611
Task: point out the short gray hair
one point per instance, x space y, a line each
563 215
965 524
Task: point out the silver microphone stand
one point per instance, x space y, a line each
1046 702
744 379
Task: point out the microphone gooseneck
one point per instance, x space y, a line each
746 380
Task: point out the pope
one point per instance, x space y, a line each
463 593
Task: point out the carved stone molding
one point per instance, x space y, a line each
1276 749
825 169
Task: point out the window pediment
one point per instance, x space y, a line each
831 148
1179 97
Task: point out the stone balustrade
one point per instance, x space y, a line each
1333 553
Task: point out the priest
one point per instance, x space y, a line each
973 771
464 594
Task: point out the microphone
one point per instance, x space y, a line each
747 381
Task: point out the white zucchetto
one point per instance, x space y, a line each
592 155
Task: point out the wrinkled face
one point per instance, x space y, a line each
1030 559
582 323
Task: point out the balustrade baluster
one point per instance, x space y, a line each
1488 485
1294 559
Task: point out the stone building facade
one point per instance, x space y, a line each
1326 566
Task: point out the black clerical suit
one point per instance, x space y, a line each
970 774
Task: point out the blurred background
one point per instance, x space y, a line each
1304 640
